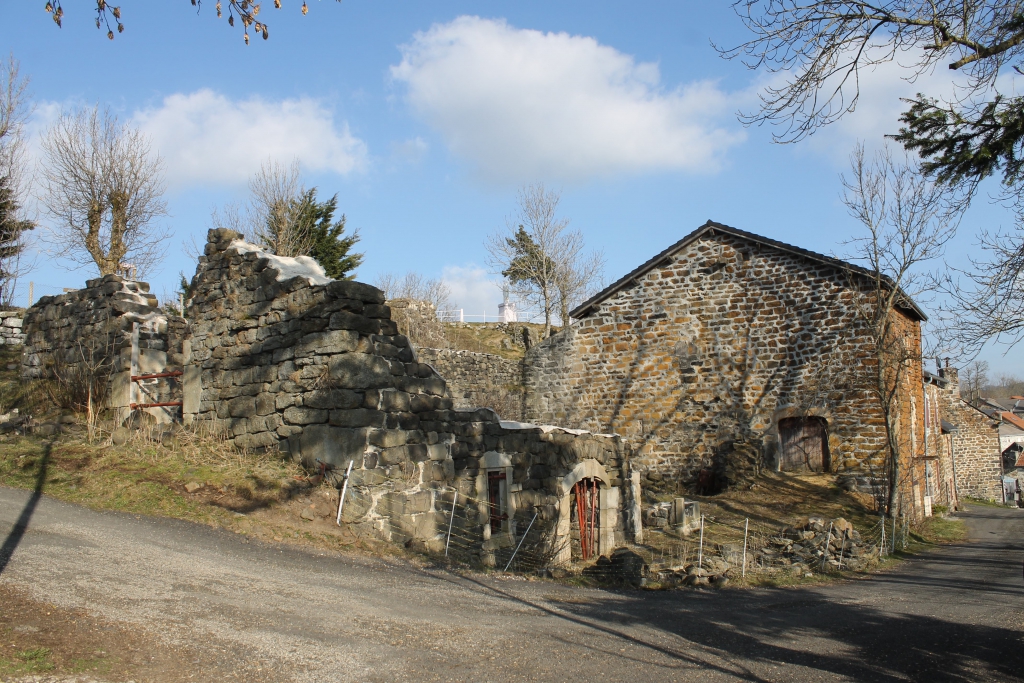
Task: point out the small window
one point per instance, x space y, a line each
497 496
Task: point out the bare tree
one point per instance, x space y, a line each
275 193
417 287
908 222
103 187
821 47
986 302
542 260
973 378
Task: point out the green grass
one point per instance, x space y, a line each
141 477
34 660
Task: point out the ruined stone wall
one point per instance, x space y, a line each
976 454
111 329
11 327
479 380
285 358
698 360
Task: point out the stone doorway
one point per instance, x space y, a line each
803 444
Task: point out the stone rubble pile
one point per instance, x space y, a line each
805 546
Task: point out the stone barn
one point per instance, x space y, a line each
727 353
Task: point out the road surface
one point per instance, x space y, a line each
282 614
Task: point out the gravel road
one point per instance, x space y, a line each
266 612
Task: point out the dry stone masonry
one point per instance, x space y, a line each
700 355
11 328
282 357
476 379
112 330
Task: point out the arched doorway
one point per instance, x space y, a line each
803 444
585 510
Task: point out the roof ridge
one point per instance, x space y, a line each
711 226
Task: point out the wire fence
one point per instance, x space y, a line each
479 532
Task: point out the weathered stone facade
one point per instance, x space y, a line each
975 443
475 379
697 355
113 329
281 357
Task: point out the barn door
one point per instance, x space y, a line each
803 444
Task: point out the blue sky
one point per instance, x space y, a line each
426 118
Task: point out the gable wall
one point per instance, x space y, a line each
976 454
699 360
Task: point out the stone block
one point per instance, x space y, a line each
371 477
333 399
395 401
349 289
265 403
388 438
359 417
243 406
437 451
332 445
301 415
357 504
393 456
360 371
329 342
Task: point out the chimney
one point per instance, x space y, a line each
952 376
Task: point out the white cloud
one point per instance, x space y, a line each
205 137
525 105
473 290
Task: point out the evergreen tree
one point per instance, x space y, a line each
325 237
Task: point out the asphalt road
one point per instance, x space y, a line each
953 615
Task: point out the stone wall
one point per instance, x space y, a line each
282 357
10 327
696 359
479 380
112 329
976 455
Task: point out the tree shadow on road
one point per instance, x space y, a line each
907 625
21 525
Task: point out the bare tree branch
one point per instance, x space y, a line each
908 221
103 187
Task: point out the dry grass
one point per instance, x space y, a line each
488 338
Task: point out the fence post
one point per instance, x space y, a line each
746 528
31 287
700 550
344 488
450 523
842 548
894 533
521 541
881 547
828 542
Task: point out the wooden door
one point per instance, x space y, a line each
803 444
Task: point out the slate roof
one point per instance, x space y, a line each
711 227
